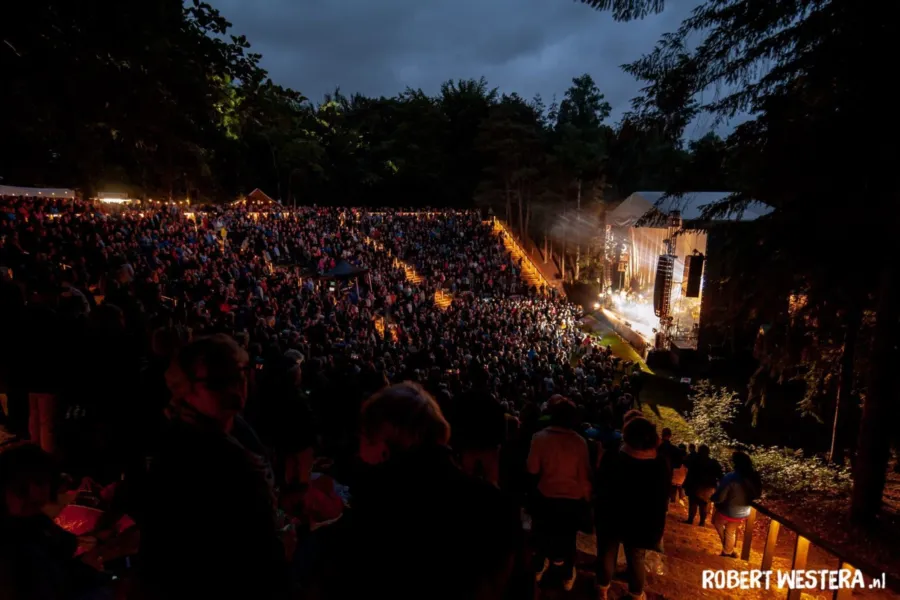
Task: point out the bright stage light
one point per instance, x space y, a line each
636 311
596 305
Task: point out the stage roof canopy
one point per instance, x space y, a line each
690 204
11 190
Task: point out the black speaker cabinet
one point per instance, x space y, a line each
693 274
662 287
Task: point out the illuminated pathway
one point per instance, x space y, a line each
442 299
530 273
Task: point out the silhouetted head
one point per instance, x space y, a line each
399 418
640 434
742 463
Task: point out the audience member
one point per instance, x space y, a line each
732 499
559 459
631 504
414 487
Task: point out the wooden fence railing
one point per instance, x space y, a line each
801 552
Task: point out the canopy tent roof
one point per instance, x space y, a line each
258 198
12 190
690 205
344 270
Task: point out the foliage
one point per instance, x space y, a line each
787 471
579 137
179 106
511 142
713 409
794 69
784 470
627 10
83 103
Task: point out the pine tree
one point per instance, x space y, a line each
800 70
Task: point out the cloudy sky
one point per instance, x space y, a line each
379 47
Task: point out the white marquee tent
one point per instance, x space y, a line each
11 190
691 206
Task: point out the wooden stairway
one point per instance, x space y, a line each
443 300
677 573
411 274
529 274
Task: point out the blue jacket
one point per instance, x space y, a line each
734 495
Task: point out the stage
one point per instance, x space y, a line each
624 329
665 271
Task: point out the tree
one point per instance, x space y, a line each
627 10
150 102
273 127
420 127
795 68
465 104
708 166
580 143
512 146
641 158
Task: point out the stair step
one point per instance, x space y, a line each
676 574
528 274
443 301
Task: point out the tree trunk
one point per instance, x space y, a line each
508 203
577 262
290 184
605 277
170 174
845 386
562 262
521 215
578 231
562 256
879 413
275 166
525 235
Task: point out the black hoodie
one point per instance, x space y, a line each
209 527
424 529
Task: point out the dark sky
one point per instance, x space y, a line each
379 47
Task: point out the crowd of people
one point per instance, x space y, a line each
460 252
263 404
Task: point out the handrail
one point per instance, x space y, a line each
801 550
524 254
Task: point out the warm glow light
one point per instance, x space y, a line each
796 303
530 272
114 200
596 305
635 310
